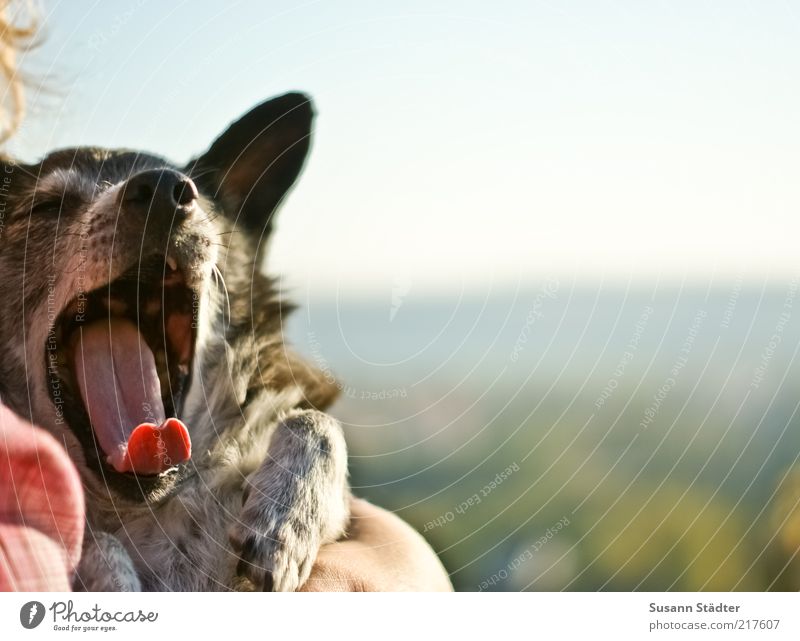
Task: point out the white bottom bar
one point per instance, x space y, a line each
379 616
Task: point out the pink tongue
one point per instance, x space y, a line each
117 376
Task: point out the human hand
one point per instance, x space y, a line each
41 509
381 553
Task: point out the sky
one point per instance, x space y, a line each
462 145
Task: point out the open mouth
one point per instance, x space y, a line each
120 361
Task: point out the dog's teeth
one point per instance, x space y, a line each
152 307
115 306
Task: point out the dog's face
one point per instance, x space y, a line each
110 268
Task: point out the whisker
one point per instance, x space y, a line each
219 279
209 219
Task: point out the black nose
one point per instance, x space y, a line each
160 191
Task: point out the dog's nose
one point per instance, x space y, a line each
160 191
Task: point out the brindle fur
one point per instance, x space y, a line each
266 485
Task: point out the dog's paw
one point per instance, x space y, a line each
278 559
295 502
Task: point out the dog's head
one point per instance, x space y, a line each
110 266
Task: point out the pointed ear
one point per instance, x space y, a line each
250 168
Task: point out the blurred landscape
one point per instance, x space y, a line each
578 437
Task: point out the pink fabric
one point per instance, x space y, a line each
41 509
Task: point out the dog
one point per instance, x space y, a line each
138 329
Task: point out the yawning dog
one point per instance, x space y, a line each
136 327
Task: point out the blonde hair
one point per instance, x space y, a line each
13 37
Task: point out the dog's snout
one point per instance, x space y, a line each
160 191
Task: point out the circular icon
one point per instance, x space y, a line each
31 614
